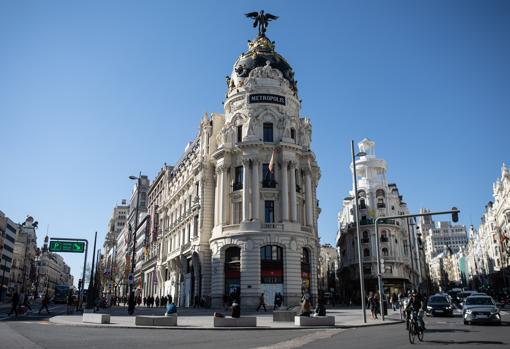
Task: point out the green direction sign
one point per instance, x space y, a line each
67 246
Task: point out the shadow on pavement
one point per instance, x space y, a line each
464 342
446 330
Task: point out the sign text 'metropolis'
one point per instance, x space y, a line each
266 98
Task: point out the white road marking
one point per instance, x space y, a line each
303 340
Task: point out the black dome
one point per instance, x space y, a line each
260 52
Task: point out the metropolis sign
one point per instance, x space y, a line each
266 98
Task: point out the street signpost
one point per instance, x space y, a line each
73 246
67 246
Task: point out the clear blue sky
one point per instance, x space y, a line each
94 91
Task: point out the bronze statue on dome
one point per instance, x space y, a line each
262 20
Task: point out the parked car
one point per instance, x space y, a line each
439 304
480 309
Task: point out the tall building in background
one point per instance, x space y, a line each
8 231
441 235
377 198
111 268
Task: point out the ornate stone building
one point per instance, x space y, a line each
238 212
398 240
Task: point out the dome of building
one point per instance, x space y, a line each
261 51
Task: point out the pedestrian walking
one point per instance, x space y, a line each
372 301
26 303
44 303
262 302
14 304
157 301
70 302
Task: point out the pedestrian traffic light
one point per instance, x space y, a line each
455 214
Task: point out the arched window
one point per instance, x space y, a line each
366 237
384 236
293 134
366 252
385 252
379 194
362 204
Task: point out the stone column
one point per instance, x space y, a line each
293 208
221 195
308 198
216 199
246 190
255 190
285 193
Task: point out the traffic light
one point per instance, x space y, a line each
79 283
455 214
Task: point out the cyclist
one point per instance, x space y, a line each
415 305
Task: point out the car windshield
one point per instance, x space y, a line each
479 301
438 299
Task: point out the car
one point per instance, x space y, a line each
439 304
480 309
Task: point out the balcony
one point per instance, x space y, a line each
272 226
306 229
365 240
237 186
268 183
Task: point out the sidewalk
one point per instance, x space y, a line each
201 319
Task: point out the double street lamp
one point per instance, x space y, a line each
455 217
131 302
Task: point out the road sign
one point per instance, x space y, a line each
131 278
67 246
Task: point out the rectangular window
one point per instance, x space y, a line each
267 177
240 133
268 132
269 211
195 226
238 178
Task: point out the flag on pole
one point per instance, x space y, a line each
271 162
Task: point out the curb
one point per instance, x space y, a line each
189 328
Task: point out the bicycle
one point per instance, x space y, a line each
415 329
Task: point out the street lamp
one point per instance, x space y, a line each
356 215
131 302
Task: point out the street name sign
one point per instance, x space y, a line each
67 246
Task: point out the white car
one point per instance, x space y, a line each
480 309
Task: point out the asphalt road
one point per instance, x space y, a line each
37 333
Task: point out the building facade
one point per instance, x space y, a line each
51 271
237 214
376 198
8 231
23 271
112 272
438 235
490 246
